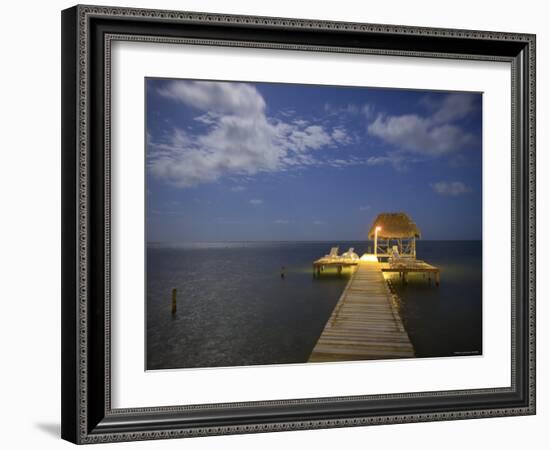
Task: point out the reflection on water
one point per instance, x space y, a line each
234 308
446 320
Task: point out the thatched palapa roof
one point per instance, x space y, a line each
394 226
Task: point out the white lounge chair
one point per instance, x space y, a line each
350 254
395 258
333 253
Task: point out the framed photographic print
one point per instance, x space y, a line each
280 224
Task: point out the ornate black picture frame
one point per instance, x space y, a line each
87 34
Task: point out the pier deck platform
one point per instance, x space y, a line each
365 323
403 267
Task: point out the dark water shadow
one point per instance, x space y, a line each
331 276
52 429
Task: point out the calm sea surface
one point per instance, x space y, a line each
234 309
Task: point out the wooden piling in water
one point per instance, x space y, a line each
174 300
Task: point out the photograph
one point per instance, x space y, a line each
273 222
302 223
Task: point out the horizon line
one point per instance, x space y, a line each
291 240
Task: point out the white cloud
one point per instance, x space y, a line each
301 122
352 109
256 202
364 208
396 160
341 136
338 134
287 112
240 138
207 118
313 136
318 222
434 135
238 189
282 221
451 188
454 107
212 96
368 110
415 134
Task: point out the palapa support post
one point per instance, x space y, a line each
437 278
174 300
339 270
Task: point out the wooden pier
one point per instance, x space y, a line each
339 263
412 266
403 267
365 323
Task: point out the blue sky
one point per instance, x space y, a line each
232 161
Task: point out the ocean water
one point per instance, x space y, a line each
234 309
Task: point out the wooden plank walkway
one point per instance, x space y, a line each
364 324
